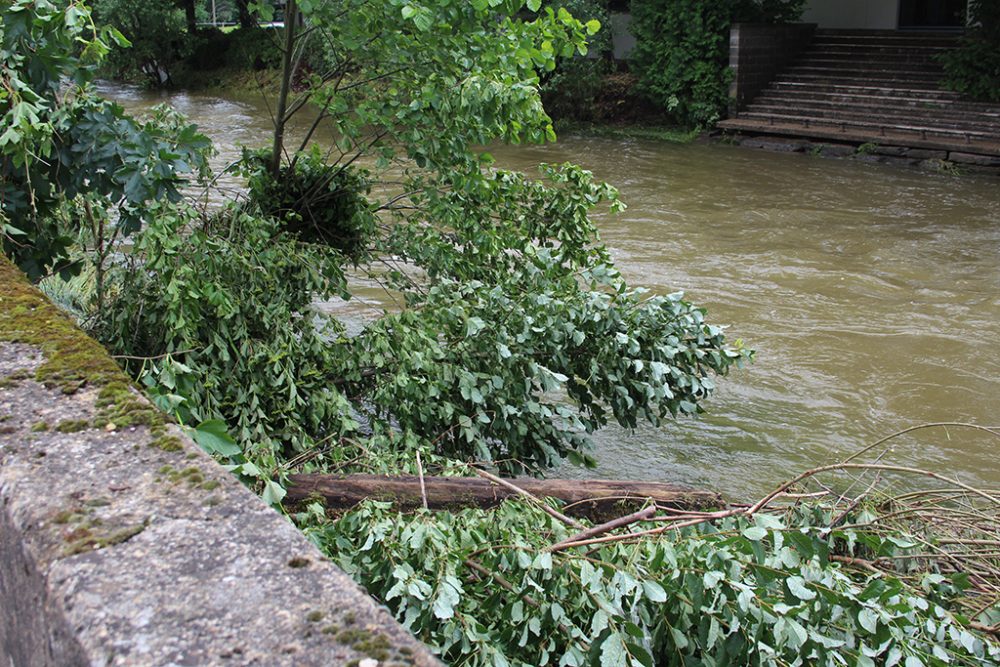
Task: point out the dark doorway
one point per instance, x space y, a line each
932 13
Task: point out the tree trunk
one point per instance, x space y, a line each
593 498
190 16
246 18
287 74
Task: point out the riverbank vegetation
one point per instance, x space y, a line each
676 76
973 68
681 55
513 340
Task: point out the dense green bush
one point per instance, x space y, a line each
682 51
569 91
974 67
316 202
158 35
224 307
60 141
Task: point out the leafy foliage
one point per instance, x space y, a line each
481 588
231 304
516 337
157 36
62 141
974 67
570 90
315 202
682 51
527 339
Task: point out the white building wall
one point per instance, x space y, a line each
865 14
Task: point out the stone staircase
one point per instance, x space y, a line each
873 87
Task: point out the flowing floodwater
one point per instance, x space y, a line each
870 293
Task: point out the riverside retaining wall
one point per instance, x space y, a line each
758 52
122 543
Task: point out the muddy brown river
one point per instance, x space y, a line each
871 294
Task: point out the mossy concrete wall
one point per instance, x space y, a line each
122 543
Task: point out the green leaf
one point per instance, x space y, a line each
534 5
448 596
212 435
797 587
613 652
473 326
654 591
868 620
273 492
680 639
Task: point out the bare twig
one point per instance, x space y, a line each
538 501
919 427
420 472
642 515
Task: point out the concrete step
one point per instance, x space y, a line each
882 53
880 49
888 38
870 126
895 60
855 72
946 107
882 82
916 103
870 64
973 145
883 115
863 89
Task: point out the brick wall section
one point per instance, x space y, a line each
758 52
122 543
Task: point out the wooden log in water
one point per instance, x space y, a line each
593 498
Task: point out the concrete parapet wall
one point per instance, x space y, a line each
758 52
122 543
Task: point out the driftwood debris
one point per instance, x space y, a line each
593 498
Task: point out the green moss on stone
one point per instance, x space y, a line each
39 427
72 425
87 541
72 360
167 443
14 378
66 516
119 404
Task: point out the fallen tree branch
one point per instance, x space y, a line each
598 500
538 501
642 515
